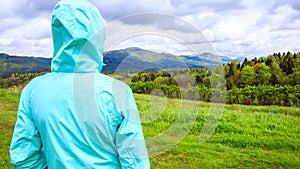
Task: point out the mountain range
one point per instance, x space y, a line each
129 59
22 64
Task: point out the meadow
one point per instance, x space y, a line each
246 136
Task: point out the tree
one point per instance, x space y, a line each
263 74
235 80
273 80
162 80
270 60
236 66
245 62
287 64
277 74
200 74
248 76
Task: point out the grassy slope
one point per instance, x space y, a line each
8 109
247 136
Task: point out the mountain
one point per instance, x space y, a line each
136 59
17 64
206 60
124 60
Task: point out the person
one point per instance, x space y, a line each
75 116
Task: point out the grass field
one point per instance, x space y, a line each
246 137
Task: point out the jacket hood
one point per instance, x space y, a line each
78 37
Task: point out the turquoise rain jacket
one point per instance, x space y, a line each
76 117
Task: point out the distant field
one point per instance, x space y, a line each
246 137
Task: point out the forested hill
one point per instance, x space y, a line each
271 80
16 64
129 59
276 69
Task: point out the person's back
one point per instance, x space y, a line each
76 117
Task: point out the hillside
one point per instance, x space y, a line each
130 59
16 64
134 59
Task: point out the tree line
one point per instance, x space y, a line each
276 70
18 80
271 80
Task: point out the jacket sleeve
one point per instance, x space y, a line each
26 146
129 138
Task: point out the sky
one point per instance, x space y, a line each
234 28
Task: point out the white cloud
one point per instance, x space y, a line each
251 32
27 37
156 43
235 28
153 36
6 8
114 9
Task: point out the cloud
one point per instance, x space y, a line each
234 28
180 37
194 6
159 21
153 42
114 9
251 31
32 8
26 37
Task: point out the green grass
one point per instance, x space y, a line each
246 137
8 108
